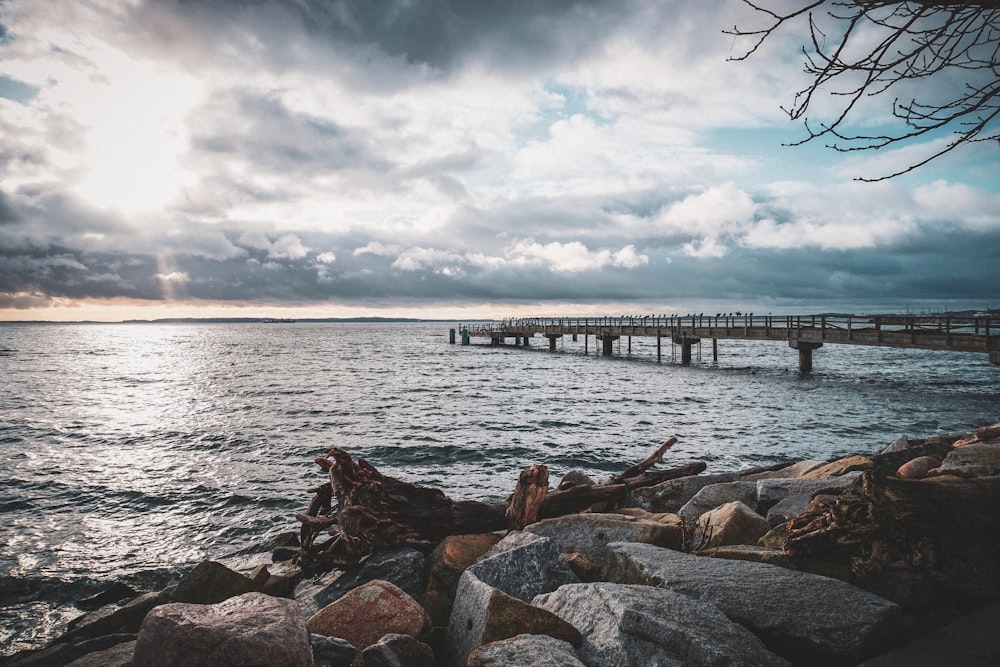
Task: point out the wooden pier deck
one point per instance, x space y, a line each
804 333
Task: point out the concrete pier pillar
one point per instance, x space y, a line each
552 341
465 335
658 354
526 340
607 344
517 341
451 336
715 349
686 344
805 349
585 344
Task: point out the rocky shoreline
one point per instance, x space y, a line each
813 563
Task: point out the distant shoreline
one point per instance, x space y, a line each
245 320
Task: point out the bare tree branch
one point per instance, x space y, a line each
859 49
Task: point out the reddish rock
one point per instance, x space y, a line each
447 563
251 629
368 612
918 467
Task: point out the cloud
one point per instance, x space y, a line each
572 257
301 151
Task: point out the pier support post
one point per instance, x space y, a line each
658 355
465 335
805 353
715 349
451 336
686 344
526 339
607 344
552 341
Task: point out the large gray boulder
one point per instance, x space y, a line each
716 495
534 650
483 614
116 618
589 534
641 625
401 566
251 629
788 508
770 491
524 565
673 494
211 582
974 460
805 618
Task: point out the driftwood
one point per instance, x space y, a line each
941 534
372 510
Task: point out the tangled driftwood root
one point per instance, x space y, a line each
362 510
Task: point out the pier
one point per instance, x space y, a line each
803 333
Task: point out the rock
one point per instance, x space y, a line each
284 577
111 619
900 444
641 625
332 651
714 495
774 538
770 491
888 462
395 650
116 592
589 534
672 495
918 467
524 565
575 478
668 518
402 566
787 508
119 655
447 562
981 435
534 650
211 582
251 629
792 471
805 618
368 612
483 614
974 460
750 552
732 523
840 467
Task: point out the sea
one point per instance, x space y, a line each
130 452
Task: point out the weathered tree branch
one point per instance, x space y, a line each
858 49
374 510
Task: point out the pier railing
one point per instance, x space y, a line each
802 332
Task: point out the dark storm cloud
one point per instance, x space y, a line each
439 33
275 138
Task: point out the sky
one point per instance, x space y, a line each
453 159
